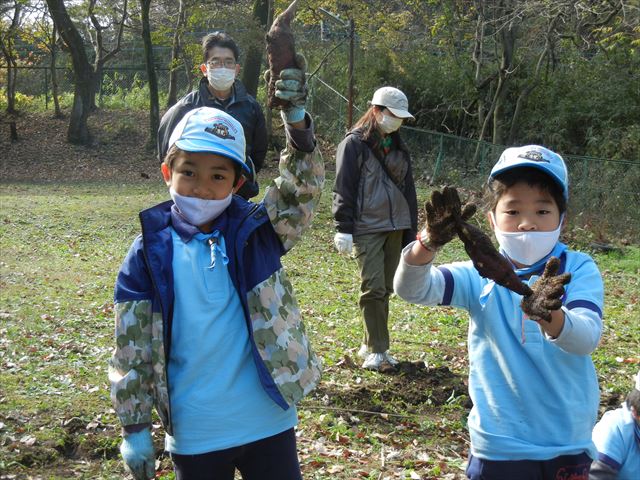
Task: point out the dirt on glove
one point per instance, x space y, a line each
487 260
281 52
547 292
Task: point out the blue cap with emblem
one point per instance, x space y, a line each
534 156
207 129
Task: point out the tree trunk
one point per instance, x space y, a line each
6 45
54 74
154 104
172 96
508 41
78 132
252 64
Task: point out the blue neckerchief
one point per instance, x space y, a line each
535 269
216 243
636 430
186 231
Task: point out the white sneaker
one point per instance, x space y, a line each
373 361
390 358
363 352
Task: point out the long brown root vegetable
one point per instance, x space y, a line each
487 260
281 52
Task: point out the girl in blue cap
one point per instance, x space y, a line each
532 381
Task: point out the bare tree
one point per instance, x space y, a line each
85 75
97 36
154 104
7 41
176 54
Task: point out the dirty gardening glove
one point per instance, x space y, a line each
292 87
138 454
343 242
547 292
444 211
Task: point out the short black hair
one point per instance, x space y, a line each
534 177
633 400
219 39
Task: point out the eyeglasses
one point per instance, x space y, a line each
217 63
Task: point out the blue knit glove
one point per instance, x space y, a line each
138 454
292 87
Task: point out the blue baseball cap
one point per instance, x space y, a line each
207 129
534 156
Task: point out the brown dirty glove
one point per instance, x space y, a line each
547 292
444 211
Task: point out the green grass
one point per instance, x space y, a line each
61 247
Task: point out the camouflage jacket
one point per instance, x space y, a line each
257 235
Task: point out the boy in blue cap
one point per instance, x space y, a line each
617 438
208 329
532 381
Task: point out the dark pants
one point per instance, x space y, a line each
273 457
378 255
565 467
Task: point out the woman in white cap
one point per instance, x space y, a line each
617 438
375 211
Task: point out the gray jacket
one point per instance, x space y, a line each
374 192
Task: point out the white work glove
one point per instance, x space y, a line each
343 242
138 454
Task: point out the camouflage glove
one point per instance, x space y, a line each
444 211
138 454
547 292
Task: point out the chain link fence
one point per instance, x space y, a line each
605 193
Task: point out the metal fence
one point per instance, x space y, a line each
605 193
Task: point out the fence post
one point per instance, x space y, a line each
438 159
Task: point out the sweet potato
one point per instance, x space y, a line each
487 260
281 52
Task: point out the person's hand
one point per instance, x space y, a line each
138 454
343 242
547 292
444 210
292 88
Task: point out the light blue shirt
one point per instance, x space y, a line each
534 397
217 401
617 438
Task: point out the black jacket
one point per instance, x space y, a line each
374 192
243 107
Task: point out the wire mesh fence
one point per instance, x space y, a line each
605 193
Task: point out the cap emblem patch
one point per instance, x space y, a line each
533 156
220 130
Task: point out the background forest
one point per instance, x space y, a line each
562 73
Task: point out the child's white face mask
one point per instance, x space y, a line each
198 211
527 248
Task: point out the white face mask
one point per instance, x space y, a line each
221 78
526 248
198 211
388 123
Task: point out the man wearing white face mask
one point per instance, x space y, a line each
220 88
531 380
375 211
